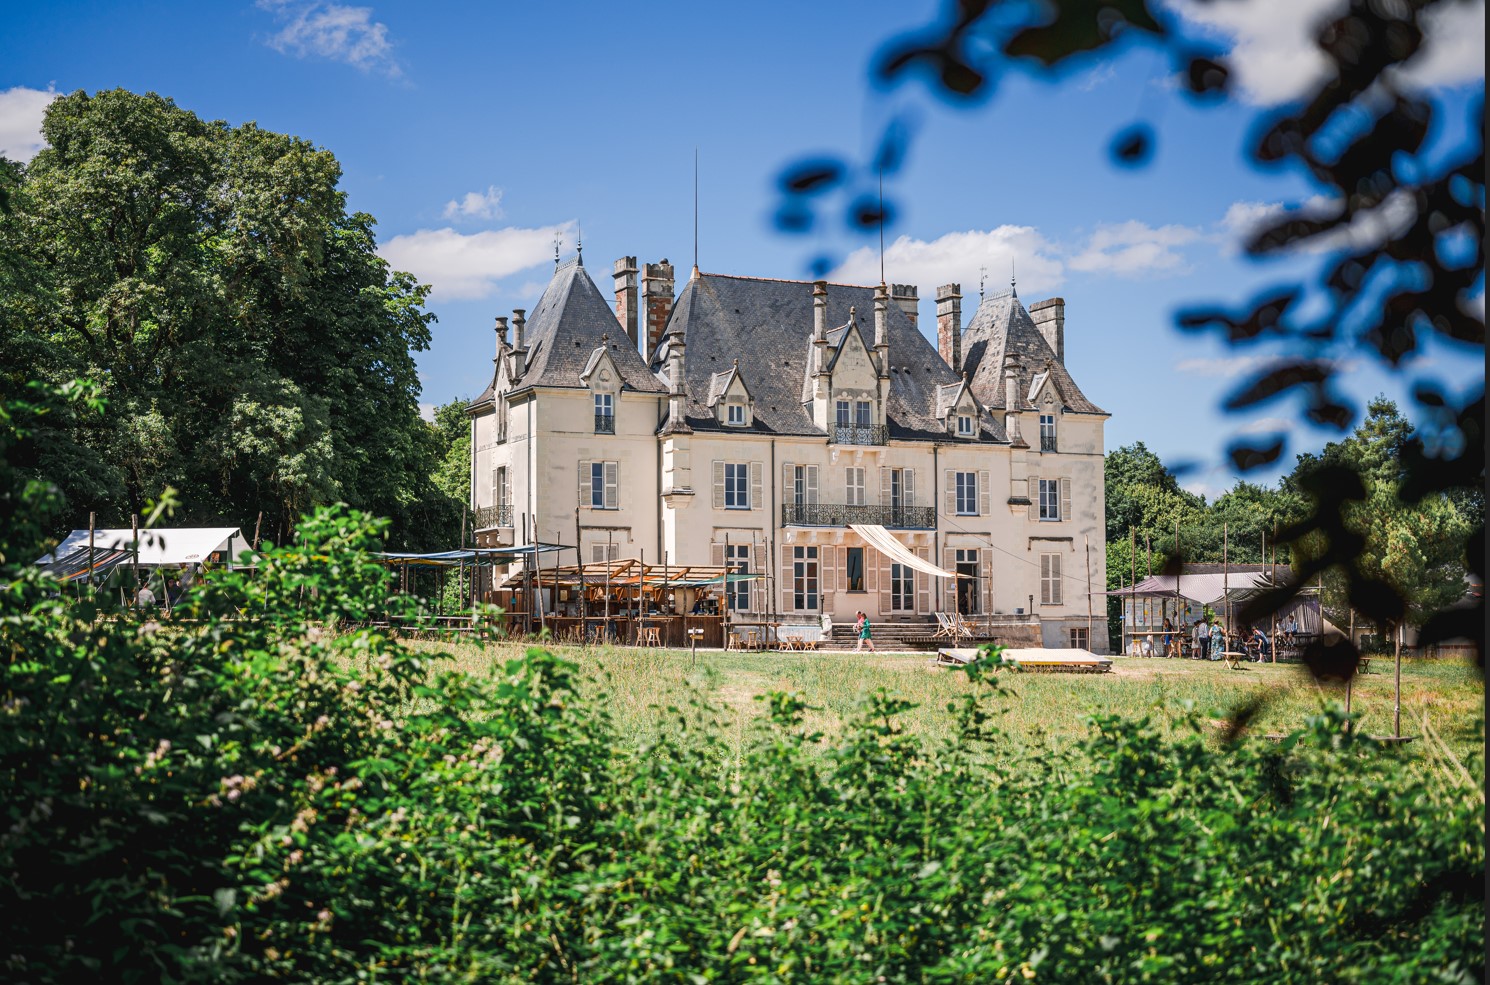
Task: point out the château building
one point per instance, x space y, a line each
788 427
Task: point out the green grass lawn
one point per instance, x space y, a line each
1439 698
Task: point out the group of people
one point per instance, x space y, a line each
172 587
1208 639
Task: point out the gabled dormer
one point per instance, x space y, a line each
1045 397
958 410
854 412
604 380
730 399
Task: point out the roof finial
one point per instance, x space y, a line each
982 279
579 243
557 240
1012 289
695 209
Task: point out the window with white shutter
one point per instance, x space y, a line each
1050 579
853 485
612 479
1065 499
737 485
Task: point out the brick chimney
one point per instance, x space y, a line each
1049 317
819 326
949 325
657 303
625 274
906 299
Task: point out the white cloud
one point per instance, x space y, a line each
959 257
1222 367
1266 425
467 266
1134 248
476 205
1274 58
21 110
1454 48
427 411
1368 228
1099 76
335 31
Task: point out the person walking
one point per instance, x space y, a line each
1202 640
865 636
1218 640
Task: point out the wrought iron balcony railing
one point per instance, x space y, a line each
605 423
842 514
856 434
494 516
1047 442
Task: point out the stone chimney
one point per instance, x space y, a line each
881 329
501 329
1012 404
676 412
819 326
657 303
519 351
906 299
625 274
949 325
1049 317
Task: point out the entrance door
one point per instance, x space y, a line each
967 588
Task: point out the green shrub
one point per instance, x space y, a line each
268 788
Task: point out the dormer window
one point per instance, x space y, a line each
605 413
734 415
964 426
1047 432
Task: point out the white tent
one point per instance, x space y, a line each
158 547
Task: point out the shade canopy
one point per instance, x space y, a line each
885 542
1206 589
157 547
442 559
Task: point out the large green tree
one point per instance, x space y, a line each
255 352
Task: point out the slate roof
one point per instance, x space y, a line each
564 332
767 326
1001 327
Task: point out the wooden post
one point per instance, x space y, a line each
1179 572
1132 584
1088 542
1273 577
134 533
584 603
729 597
1397 697
1350 679
92 519
1225 586
257 524
538 569
605 630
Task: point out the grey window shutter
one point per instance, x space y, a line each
786 579
788 482
923 584
718 484
949 505
949 585
584 484
758 587
612 485
757 500
908 488
828 568
1065 499
716 555
812 485
1032 492
985 494
985 573
885 584
885 498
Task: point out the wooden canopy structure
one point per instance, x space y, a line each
630 572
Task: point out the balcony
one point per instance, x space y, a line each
605 423
842 514
1047 442
858 434
493 516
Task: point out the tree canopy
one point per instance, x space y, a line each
254 351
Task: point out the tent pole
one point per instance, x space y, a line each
1397 697
134 533
1225 585
1087 541
1132 584
729 597
1273 577
604 633
538 568
1179 572
92 519
584 603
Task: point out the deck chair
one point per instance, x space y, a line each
945 628
962 626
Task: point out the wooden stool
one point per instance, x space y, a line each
733 643
650 636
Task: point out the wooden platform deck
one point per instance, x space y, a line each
1036 660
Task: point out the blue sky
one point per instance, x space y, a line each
476 133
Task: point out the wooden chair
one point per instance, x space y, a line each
734 642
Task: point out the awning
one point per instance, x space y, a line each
159 546
883 541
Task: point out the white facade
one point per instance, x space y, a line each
763 461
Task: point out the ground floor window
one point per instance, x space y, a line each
804 579
1078 637
737 559
902 588
853 569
